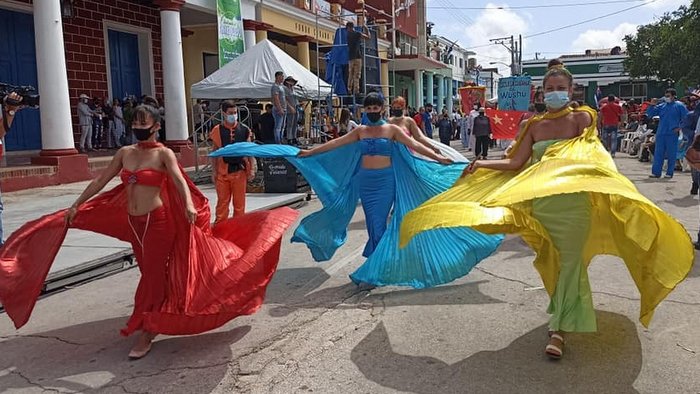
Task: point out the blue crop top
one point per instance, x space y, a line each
376 146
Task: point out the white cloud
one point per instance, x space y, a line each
599 39
496 21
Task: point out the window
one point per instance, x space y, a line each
633 90
461 63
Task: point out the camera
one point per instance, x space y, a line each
28 94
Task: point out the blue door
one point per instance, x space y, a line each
18 67
124 64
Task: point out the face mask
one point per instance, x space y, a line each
476 108
556 99
142 134
396 112
668 99
374 117
540 107
231 119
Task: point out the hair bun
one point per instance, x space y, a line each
555 63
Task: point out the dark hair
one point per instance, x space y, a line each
611 98
226 104
279 73
373 99
268 106
148 100
672 91
344 116
555 68
349 25
144 111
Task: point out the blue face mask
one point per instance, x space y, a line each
231 119
556 99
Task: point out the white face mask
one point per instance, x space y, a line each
231 118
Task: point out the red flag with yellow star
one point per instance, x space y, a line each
504 124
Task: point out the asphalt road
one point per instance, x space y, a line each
319 333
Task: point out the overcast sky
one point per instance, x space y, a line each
473 28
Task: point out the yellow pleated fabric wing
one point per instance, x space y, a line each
656 249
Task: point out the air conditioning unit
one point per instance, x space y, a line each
414 50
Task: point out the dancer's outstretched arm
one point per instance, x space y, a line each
420 148
419 136
348 138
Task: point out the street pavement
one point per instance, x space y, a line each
319 333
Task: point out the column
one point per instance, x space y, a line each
430 84
418 83
261 30
52 77
384 78
249 33
440 93
173 72
449 96
303 53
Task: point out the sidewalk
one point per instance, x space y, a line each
83 250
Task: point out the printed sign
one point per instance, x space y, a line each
279 176
514 93
471 95
231 44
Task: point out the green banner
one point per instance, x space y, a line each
231 43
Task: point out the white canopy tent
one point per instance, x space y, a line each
250 76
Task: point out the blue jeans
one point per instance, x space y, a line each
279 125
610 139
666 149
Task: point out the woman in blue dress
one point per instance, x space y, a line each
372 164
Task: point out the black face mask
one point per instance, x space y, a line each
540 107
374 117
142 134
396 112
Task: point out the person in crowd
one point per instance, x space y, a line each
10 105
198 116
409 126
290 121
455 118
230 175
481 128
85 117
544 191
611 119
418 118
464 131
427 120
670 113
128 111
355 56
193 278
373 165
108 121
115 136
470 124
346 124
266 126
279 103
689 126
445 128
97 123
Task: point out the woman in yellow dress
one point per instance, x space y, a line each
560 191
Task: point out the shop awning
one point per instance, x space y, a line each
416 62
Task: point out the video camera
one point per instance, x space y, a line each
29 98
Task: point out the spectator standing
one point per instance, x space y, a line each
444 126
346 124
97 124
482 132
266 125
418 118
470 124
355 56
85 120
279 104
291 117
611 119
428 120
670 113
114 138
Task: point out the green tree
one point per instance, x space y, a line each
668 49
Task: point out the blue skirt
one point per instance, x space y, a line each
377 193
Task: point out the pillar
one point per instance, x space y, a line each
430 84
249 36
449 95
384 78
440 92
261 30
304 58
173 72
52 77
418 82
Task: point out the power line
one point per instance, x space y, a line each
523 7
589 20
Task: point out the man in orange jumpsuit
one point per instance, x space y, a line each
230 174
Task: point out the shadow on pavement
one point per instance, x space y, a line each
605 362
92 357
683 202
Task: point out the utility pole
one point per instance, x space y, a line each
515 57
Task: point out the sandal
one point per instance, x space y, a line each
555 352
137 354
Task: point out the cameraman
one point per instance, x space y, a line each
10 105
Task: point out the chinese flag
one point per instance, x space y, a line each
504 124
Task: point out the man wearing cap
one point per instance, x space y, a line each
290 121
85 115
355 56
279 105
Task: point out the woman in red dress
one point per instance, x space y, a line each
193 277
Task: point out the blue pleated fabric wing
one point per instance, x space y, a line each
434 257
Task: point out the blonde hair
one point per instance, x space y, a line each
555 68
